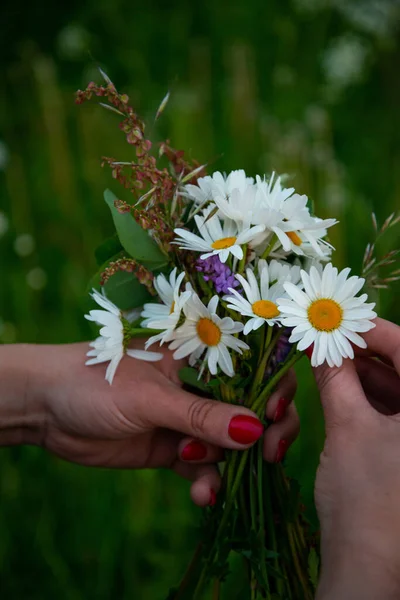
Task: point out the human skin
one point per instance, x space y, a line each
145 420
357 490
49 398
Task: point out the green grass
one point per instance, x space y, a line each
248 90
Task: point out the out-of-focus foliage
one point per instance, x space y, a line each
307 87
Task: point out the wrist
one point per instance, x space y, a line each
360 572
22 413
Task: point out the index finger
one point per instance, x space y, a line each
384 340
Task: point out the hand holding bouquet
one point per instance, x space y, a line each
234 274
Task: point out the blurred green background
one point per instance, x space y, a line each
307 87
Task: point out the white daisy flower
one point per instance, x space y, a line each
217 184
217 238
204 331
272 191
246 207
111 345
166 315
261 302
239 205
327 314
297 230
313 260
283 271
307 240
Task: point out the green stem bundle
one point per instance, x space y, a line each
255 513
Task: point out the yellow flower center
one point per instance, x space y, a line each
208 332
224 243
294 237
265 309
325 314
172 307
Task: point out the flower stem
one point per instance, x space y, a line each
268 249
252 493
261 512
189 572
227 510
216 590
258 404
262 365
242 263
143 332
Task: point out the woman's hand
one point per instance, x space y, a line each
358 481
144 420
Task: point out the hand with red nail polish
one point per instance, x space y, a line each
280 409
245 429
282 447
194 450
357 488
285 424
144 420
213 498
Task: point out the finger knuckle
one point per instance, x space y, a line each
292 377
326 377
296 422
199 412
293 421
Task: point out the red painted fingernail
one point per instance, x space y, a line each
282 447
213 498
280 409
194 451
244 429
308 351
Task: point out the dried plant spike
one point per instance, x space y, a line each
131 266
112 109
366 254
146 195
105 77
369 265
212 213
174 202
162 106
193 173
198 208
396 221
372 264
387 222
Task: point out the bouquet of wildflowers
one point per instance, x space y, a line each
233 273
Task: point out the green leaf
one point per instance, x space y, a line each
126 291
189 377
95 280
123 288
311 205
213 383
108 249
313 567
133 238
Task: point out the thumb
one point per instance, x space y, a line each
341 392
221 424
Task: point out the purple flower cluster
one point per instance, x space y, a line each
279 353
217 272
